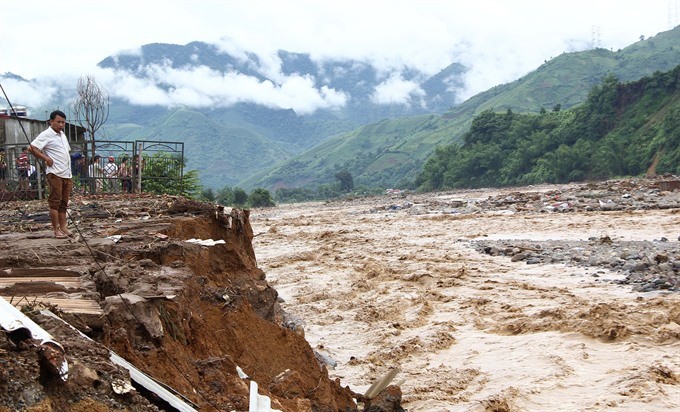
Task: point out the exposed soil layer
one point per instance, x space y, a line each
186 314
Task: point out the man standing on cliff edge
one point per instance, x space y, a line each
52 147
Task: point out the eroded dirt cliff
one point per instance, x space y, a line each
186 314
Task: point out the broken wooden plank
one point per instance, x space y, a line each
82 306
67 282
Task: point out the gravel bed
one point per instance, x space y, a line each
647 265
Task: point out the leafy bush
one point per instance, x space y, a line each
260 198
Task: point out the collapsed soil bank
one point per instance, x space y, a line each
186 314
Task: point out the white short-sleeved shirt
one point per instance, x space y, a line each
56 147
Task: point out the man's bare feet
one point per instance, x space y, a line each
60 235
67 232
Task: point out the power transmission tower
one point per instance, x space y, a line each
673 6
595 37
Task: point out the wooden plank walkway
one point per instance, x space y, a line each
28 297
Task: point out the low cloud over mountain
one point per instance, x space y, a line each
203 75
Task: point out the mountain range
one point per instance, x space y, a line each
382 144
390 153
227 145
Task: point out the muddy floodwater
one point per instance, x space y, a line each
402 282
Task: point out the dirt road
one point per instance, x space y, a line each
397 282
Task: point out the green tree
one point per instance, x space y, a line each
327 191
231 196
488 127
432 176
225 196
208 195
260 198
240 197
163 175
599 114
346 180
670 161
296 194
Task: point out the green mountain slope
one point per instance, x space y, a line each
567 79
378 155
390 153
272 135
620 130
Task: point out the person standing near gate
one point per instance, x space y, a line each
95 171
111 173
52 147
23 164
125 174
3 172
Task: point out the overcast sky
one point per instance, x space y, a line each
55 42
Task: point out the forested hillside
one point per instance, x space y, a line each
620 130
565 80
392 152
